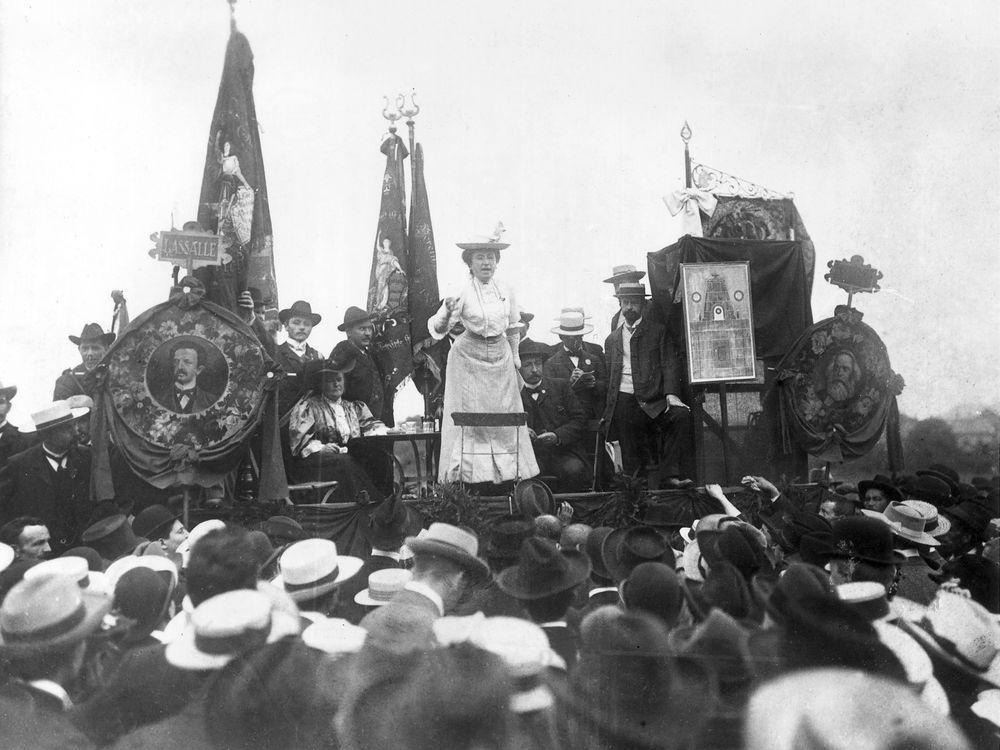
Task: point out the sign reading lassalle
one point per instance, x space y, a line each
189 249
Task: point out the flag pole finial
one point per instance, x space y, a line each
390 115
232 14
686 136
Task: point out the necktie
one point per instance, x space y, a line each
183 398
59 460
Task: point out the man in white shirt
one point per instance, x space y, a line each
298 320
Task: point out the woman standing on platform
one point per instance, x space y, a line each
481 375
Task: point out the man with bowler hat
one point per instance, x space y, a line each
93 344
11 439
364 382
644 411
50 480
292 355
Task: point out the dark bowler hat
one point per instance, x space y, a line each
799 581
593 549
625 548
112 537
313 372
933 489
507 534
282 530
299 309
862 538
973 513
530 348
354 316
883 483
9 392
543 570
631 290
945 473
154 520
391 522
93 332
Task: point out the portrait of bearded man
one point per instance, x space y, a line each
841 376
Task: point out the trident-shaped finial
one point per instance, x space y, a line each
686 132
413 110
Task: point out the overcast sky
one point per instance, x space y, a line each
559 118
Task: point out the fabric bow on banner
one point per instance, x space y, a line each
690 201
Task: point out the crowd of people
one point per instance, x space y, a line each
787 624
821 615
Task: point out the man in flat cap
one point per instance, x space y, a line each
364 381
50 480
93 344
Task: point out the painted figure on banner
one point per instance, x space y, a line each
236 196
186 380
390 280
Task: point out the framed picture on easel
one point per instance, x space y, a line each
718 322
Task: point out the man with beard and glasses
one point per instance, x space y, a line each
644 411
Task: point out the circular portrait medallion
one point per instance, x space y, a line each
186 377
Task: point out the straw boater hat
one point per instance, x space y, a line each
74 568
869 599
7 555
937 525
93 332
48 613
625 273
354 316
335 636
7 392
451 543
312 567
227 625
905 522
572 323
299 309
961 633
631 290
58 413
382 586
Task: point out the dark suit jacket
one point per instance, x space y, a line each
70 383
364 381
654 368
12 442
347 607
30 487
491 601
201 400
32 719
187 729
556 410
405 624
145 688
292 388
565 641
559 367
603 599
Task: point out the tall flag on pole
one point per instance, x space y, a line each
233 200
422 271
388 285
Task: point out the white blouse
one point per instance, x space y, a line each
485 309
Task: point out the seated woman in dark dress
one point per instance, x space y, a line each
319 428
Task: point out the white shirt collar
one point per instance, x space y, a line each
296 347
419 587
54 689
534 387
387 553
633 326
554 624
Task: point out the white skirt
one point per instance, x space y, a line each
481 377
